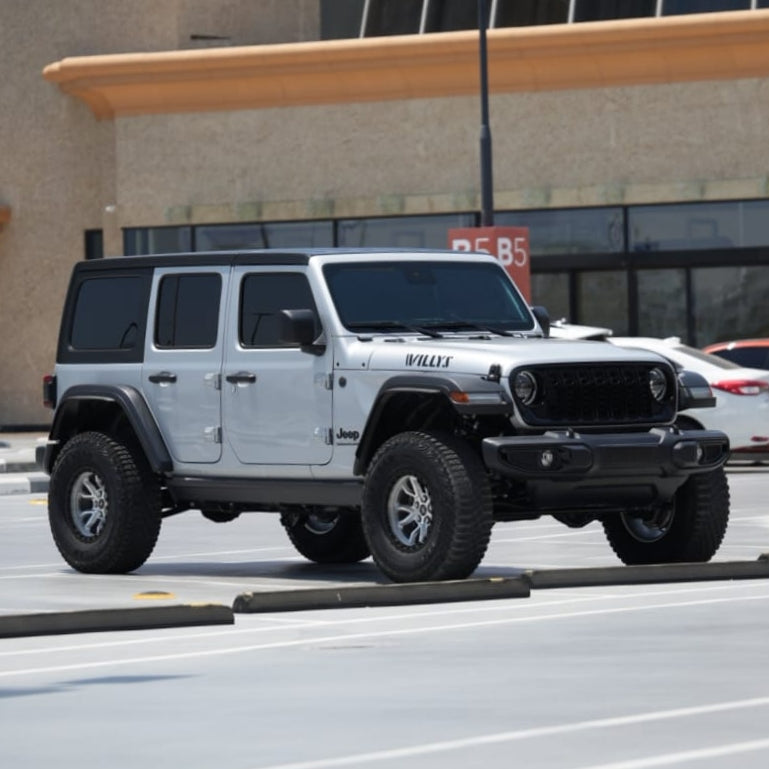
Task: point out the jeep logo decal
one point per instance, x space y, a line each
425 360
348 436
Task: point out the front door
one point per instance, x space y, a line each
276 398
182 364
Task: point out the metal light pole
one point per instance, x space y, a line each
487 186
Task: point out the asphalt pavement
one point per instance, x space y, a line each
19 471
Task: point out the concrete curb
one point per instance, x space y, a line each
101 620
17 462
499 587
643 575
382 595
18 483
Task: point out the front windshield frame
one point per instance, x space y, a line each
411 296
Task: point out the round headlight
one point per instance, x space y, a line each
525 387
658 384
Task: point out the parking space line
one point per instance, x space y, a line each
685 756
549 731
382 633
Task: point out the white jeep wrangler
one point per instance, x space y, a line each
393 404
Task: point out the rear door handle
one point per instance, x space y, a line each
241 377
162 377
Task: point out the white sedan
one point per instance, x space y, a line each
742 395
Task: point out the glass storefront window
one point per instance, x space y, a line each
570 231
450 15
697 226
600 10
673 7
525 13
224 237
730 303
551 291
602 300
156 240
393 17
662 303
401 231
340 18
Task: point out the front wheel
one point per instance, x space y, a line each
689 530
103 505
427 512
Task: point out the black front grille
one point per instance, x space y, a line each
596 394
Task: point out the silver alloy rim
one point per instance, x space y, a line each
410 511
650 528
88 504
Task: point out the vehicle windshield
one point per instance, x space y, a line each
705 357
424 297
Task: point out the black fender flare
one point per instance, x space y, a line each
427 384
130 401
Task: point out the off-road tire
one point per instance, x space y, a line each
326 535
456 511
692 534
103 505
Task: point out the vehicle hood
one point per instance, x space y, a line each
465 355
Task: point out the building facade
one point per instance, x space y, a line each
630 137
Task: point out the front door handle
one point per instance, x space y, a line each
241 377
162 377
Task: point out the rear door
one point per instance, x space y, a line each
181 375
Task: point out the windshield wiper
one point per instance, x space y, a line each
391 325
459 325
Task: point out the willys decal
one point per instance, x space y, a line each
426 360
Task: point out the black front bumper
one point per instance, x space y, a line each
568 470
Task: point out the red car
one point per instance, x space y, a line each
750 353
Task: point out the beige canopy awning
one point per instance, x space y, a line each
707 46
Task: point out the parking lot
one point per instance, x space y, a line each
669 674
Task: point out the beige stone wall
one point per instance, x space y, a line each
57 163
63 172
246 22
692 141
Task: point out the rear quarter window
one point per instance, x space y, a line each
105 318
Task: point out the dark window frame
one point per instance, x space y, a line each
172 312
242 298
67 353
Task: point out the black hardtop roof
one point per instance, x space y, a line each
264 256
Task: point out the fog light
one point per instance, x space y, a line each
546 459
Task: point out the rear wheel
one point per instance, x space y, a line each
103 505
326 534
689 530
427 511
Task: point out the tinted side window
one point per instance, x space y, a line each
262 297
749 357
109 313
188 311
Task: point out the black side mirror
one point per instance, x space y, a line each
543 318
298 327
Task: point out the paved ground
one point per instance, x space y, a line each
19 472
611 677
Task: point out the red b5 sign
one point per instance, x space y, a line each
509 244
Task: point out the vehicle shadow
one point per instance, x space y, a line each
292 572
